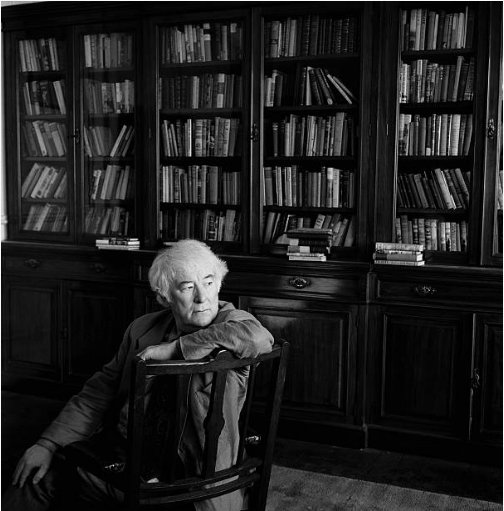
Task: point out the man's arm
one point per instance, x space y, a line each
233 329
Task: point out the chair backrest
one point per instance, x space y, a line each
252 467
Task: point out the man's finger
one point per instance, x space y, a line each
17 472
24 475
41 472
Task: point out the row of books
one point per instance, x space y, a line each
276 225
405 254
291 186
311 34
438 188
103 141
206 225
107 221
44 97
117 243
108 51
500 189
113 182
209 90
45 182
202 42
435 135
430 82
433 233
199 184
311 86
308 244
313 135
428 29
46 217
44 138
109 97
200 137
42 54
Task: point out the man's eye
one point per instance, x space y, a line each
209 282
185 289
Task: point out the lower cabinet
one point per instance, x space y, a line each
319 401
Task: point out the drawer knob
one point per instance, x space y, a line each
98 267
299 282
32 263
423 290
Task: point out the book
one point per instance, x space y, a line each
399 263
308 257
414 247
411 256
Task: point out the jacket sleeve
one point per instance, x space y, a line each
233 329
85 411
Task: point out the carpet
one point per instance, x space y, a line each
298 490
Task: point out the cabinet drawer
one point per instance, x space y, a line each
436 291
295 284
91 268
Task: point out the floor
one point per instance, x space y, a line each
25 416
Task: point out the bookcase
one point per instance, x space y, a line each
313 108
202 118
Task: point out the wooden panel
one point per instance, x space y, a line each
30 327
487 411
423 380
321 354
98 315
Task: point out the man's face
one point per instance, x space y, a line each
195 297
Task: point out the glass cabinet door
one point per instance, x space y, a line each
107 131
202 120
44 150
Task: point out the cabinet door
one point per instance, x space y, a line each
419 366
314 106
487 380
108 148
96 318
30 327
202 116
40 150
319 390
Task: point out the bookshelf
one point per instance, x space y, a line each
312 113
108 126
202 119
44 156
436 151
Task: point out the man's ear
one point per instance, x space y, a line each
162 300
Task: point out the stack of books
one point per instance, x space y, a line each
405 254
309 244
118 243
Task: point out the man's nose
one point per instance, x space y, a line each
200 293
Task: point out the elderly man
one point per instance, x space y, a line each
186 278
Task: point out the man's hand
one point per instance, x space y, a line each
165 351
36 457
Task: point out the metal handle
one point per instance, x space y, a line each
491 129
76 136
423 290
254 133
98 267
475 380
32 263
299 282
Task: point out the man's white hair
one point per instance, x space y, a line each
180 255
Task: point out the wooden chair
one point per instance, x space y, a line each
253 465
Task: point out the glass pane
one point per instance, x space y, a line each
201 123
108 91
44 135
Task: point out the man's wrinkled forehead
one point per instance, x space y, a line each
194 270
